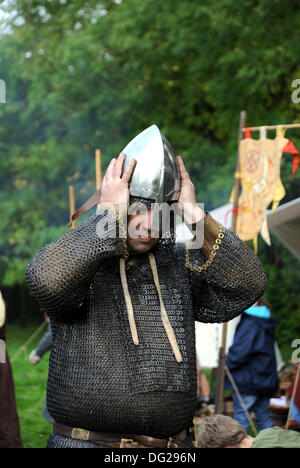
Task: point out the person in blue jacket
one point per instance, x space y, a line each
252 363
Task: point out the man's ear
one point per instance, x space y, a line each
2 311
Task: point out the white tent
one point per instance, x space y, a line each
209 340
284 223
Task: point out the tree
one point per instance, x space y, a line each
82 75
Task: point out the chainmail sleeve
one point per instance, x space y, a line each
226 277
61 273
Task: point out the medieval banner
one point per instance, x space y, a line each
261 183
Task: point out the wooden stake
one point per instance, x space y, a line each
98 169
236 390
222 352
237 184
293 396
72 204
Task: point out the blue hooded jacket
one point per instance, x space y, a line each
251 359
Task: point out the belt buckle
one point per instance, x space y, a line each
128 441
80 434
174 443
170 442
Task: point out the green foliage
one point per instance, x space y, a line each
30 387
82 75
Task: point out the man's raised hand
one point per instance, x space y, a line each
187 199
115 186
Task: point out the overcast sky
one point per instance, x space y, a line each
3 16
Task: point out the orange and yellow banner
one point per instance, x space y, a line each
260 182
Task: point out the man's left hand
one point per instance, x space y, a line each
192 213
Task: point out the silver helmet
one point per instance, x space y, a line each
156 174
155 177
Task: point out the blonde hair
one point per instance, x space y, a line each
219 432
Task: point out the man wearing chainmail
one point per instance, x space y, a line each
122 307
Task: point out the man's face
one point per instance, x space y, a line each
140 238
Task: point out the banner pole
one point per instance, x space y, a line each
219 399
98 169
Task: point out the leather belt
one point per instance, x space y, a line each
120 440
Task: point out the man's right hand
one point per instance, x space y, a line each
34 358
114 189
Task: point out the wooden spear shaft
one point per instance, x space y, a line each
293 396
98 169
222 353
72 204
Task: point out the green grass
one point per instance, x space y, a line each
30 387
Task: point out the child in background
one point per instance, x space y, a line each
252 363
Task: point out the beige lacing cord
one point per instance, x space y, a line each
164 315
128 302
